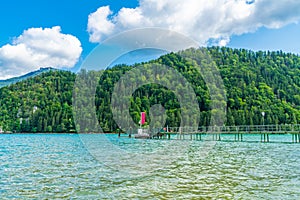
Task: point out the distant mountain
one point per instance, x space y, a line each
23 77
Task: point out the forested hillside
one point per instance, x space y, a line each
261 81
254 82
39 104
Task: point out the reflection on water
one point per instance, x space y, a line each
59 166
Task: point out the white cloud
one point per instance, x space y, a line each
99 24
202 20
38 47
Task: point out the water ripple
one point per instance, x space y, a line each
59 166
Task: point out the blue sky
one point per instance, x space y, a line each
72 15
33 30
286 39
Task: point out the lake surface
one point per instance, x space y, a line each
63 166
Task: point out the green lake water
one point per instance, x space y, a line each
66 166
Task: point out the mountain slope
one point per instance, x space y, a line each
255 82
38 104
23 77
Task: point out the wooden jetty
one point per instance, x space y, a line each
237 133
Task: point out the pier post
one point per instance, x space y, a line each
130 130
296 138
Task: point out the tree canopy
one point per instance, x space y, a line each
254 82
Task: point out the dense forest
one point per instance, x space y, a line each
39 104
254 82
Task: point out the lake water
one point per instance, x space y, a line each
63 166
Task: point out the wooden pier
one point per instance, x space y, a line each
218 133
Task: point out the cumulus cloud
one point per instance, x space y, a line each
99 24
38 47
214 20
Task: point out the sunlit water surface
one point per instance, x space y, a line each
44 166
